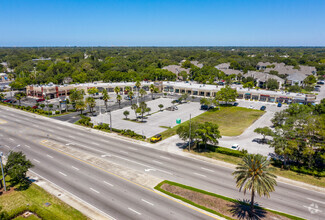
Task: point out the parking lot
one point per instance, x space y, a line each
152 123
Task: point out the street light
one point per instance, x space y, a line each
3 175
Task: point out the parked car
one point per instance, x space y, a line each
34 107
321 82
235 147
235 104
12 101
251 107
7 100
204 107
156 138
263 108
279 104
40 100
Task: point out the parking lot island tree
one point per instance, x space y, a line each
90 101
142 93
80 106
265 131
92 91
106 97
152 90
117 90
134 107
131 96
252 174
143 109
160 106
126 113
119 99
19 96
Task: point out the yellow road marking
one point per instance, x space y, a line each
2 121
151 190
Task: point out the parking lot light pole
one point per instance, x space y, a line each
3 175
189 141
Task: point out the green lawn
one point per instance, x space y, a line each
34 199
232 121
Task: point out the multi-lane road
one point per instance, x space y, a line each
118 197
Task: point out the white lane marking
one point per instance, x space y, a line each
142 164
63 174
36 160
199 174
165 157
134 211
75 168
108 183
122 151
11 139
207 169
27 146
96 144
7 146
132 148
49 156
157 162
94 190
146 202
316 200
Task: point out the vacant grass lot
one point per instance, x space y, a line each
232 121
34 199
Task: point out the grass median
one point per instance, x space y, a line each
33 199
220 205
232 121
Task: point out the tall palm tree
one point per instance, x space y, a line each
138 85
127 89
106 97
134 107
117 90
131 95
118 99
80 106
152 90
90 101
142 93
253 175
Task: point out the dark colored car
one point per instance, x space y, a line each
34 107
235 104
279 104
40 100
263 108
204 107
12 101
7 100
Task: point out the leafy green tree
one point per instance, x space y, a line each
184 96
2 96
148 110
16 167
76 95
106 97
126 113
183 131
310 80
253 174
92 91
208 132
19 96
265 131
226 94
90 101
80 106
50 107
187 64
249 85
160 106
42 105
272 84
205 101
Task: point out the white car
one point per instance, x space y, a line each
235 147
251 107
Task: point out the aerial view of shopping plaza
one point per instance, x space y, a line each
156 110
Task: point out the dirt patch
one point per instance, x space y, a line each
9 190
227 208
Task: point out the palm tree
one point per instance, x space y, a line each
118 99
90 101
19 96
253 174
134 107
80 106
105 97
152 90
138 85
131 96
117 90
142 93
127 89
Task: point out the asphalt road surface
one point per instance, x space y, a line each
125 200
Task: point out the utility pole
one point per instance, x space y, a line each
189 142
3 175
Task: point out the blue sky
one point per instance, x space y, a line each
162 23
